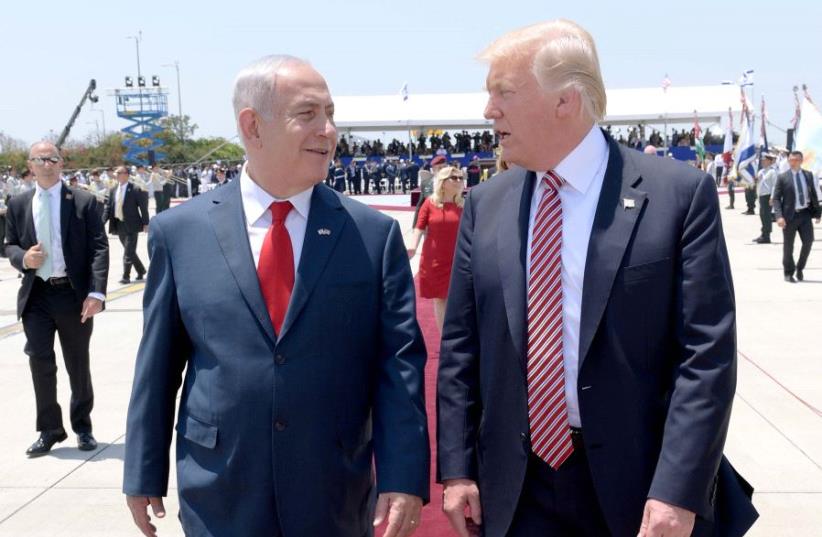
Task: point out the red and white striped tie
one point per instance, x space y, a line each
547 409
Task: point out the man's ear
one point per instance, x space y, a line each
249 123
569 103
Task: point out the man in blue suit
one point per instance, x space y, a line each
588 363
303 359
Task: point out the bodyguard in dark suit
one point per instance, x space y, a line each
413 172
795 204
588 364
352 177
127 215
303 359
56 239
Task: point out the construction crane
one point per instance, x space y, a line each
89 94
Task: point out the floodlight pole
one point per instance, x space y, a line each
176 66
137 38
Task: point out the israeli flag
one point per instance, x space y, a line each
745 156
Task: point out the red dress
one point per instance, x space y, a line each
438 248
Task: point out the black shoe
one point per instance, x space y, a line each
748 212
86 442
799 275
789 278
44 444
762 240
125 281
729 207
140 277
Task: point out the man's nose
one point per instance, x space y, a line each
491 111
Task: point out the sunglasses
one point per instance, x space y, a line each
43 160
455 178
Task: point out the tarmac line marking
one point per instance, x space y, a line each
778 430
17 327
788 390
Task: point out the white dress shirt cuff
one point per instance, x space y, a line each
99 296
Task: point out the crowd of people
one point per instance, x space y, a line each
426 144
786 194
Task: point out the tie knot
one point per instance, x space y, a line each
279 210
552 180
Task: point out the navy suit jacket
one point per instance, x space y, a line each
657 349
278 425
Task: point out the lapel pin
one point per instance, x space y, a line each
324 231
628 203
69 196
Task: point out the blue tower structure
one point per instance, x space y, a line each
143 108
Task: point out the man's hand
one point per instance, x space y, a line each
456 496
402 511
34 256
780 222
91 307
663 520
138 504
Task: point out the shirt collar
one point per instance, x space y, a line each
580 166
256 201
53 190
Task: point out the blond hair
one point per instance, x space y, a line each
439 179
563 55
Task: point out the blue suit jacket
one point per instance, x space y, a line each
278 426
657 347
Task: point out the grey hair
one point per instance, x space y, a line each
563 55
256 83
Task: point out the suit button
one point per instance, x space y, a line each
523 437
280 425
279 359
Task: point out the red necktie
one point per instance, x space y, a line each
276 267
547 408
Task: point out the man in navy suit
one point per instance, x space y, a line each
303 359
588 363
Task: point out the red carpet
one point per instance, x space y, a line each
433 523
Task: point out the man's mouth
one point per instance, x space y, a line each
318 151
502 135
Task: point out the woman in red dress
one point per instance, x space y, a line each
439 221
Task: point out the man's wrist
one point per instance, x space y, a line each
99 296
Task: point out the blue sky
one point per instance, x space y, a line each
51 49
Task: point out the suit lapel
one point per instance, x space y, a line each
66 206
512 238
29 234
228 221
326 220
613 227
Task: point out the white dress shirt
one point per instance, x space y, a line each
121 195
583 171
256 206
55 249
58 261
804 192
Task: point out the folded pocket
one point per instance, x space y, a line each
199 432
